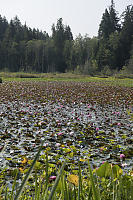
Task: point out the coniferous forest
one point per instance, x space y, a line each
31 50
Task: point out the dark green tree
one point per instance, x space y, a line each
126 35
109 29
114 19
105 26
60 34
3 27
109 23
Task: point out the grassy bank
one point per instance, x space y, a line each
127 82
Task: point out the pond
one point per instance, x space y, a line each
76 120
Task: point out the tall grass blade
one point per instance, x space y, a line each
1 152
13 186
66 190
62 185
28 173
45 193
6 194
36 188
46 169
80 183
74 192
1 189
95 190
132 190
56 182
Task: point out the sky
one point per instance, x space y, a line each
83 16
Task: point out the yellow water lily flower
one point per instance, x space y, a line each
74 179
24 161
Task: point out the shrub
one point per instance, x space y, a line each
124 73
90 67
106 71
27 75
0 80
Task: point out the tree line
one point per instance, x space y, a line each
26 49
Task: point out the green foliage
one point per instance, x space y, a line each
129 67
107 170
104 170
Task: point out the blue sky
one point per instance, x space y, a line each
83 16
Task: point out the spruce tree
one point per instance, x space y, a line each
114 20
109 23
126 35
105 26
60 34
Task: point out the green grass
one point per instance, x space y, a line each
127 82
